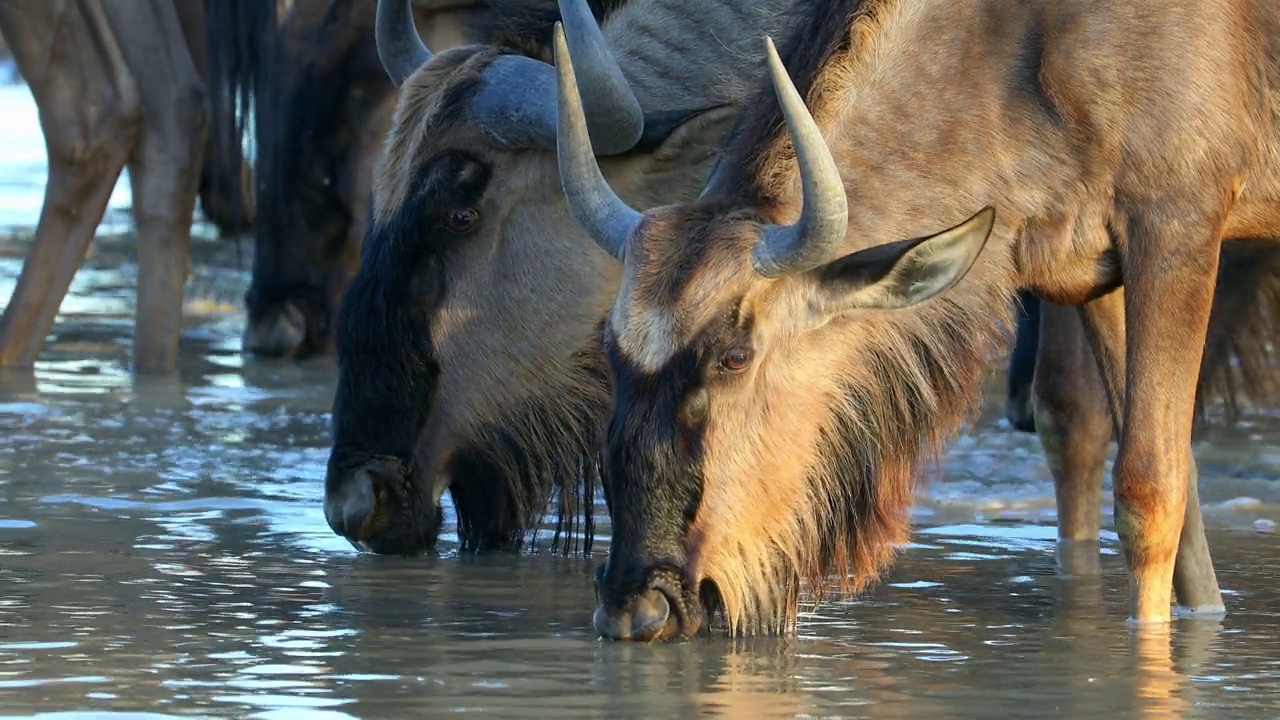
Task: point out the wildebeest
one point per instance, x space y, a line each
317 133
468 341
780 374
117 84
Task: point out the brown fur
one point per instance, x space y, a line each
1103 166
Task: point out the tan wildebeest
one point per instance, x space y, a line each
468 341
317 135
780 375
118 83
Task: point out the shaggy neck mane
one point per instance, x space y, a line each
547 450
909 379
824 31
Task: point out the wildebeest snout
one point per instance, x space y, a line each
646 617
656 611
351 505
279 333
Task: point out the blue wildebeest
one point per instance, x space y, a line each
119 83
317 134
468 341
780 374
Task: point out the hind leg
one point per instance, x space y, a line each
1074 426
90 114
164 170
1019 408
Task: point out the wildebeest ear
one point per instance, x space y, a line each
899 274
687 137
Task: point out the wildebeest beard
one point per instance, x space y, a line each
545 450
877 435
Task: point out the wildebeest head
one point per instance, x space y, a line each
468 342
761 393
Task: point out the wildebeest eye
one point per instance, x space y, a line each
736 359
461 220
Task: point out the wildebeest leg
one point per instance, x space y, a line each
1151 386
1074 426
1022 364
164 170
1075 429
90 114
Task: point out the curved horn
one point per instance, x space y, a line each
593 203
824 216
614 116
516 105
399 46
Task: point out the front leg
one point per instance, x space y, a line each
1148 340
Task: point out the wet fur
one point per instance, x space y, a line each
239 65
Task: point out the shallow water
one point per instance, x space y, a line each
162 549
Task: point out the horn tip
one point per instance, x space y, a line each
560 55
769 48
561 44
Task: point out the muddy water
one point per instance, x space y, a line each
162 550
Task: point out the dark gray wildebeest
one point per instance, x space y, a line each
780 374
469 340
119 82
317 134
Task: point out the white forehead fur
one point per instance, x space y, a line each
646 336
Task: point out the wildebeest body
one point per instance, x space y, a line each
831 365
125 84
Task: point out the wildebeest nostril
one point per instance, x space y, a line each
347 510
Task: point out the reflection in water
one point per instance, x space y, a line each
163 549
